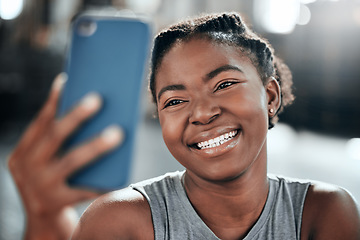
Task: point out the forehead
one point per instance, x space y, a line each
197 50
197 57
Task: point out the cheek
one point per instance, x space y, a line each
248 104
172 131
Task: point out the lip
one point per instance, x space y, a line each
217 150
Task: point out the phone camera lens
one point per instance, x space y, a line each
86 28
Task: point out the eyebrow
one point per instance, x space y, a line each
171 88
221 69
207 77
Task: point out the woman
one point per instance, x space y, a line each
218 88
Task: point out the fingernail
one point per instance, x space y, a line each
60 81
113 134
91 101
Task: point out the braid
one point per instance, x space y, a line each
230 29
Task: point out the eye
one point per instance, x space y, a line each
225 85
173 103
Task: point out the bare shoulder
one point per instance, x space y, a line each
122 214
330 212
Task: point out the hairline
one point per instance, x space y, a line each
210 37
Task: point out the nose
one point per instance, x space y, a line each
204 111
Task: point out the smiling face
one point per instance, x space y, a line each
213 109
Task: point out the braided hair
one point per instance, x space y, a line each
229 29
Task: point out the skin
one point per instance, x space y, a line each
207 108
40 174
200 97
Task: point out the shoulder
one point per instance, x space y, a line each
122 214
330 212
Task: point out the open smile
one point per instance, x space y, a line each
215 142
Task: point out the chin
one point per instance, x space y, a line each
221 175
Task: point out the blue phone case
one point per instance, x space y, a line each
108 55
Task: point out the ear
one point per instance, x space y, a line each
273 93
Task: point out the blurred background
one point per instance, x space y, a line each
318 137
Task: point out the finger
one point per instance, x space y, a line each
88 106
48 111
61 130
111 137
45 116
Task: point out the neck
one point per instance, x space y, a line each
230 208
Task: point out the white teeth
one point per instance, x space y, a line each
217 141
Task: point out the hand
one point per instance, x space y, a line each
40 174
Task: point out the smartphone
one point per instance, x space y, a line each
108 54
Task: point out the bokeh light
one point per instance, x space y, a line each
10 9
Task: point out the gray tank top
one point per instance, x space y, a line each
175 218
